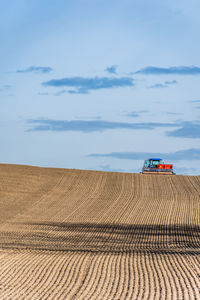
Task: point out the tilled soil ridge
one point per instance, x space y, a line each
74 234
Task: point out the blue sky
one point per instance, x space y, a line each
100 84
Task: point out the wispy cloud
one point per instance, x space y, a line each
5 88
43 94
173 113
78 91
35 69
143 111
178 70
187 130
189 154
170 82
83 85
108 168
157 86
185 171
194 101
111 70
91 125
133 114
162 85
88 118
60 93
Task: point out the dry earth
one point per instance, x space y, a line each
71 234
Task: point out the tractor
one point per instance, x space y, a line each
157 166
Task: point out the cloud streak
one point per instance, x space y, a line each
108 168
194 101
188 130
60 93
185 171
133 114
173 113
111 70
184 129
91 126
162 85
178 70
83 85
157 86
5 88
35 69
170 82
189 154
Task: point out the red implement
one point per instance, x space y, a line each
165 166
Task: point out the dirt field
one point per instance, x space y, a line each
71 234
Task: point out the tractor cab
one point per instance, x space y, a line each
157 166
152 162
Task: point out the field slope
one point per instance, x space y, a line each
74 234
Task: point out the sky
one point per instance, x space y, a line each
100 84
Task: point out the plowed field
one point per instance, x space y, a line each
71 234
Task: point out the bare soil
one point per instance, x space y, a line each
74 234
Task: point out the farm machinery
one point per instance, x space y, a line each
157 166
